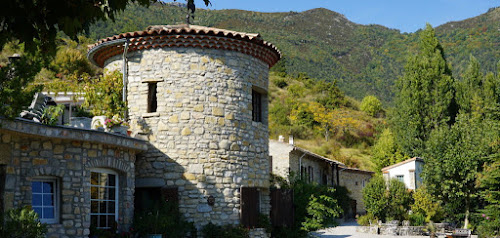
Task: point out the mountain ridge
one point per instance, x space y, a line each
363 59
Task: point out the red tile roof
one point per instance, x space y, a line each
185 36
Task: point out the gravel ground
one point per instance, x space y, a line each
348 230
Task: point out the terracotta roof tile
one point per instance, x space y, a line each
187 36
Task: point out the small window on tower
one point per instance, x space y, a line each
256 106
152 100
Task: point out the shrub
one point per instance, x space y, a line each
367 220
22 222
227 231
371 105
426 205
280 82
166 220
375 197
417 219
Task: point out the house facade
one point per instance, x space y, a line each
355 180
288 159
409 172
71 177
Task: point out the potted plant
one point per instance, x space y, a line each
116 125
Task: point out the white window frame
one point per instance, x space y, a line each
55 198
402 176
117 191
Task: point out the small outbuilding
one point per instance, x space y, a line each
408 172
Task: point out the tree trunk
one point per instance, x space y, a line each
467 208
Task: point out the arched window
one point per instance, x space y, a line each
103 198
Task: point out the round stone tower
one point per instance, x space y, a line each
199 96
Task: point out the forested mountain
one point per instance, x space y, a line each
364 59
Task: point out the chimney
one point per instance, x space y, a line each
290 140
281 138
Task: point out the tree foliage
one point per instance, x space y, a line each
103 95
386 151
426 205
371 105
426 97
375 197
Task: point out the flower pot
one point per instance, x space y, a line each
98 122
122 130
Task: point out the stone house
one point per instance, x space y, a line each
355 180
289 159
409 172
71 177
197 106
198 95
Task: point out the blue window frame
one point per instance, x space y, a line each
44 199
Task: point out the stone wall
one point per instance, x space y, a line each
355 180
203 139
31 150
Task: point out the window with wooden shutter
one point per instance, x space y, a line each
250 206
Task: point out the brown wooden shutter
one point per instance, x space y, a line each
282 211
250 207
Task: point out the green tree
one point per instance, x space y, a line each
375 197
426 205
399 200
371 105
39 21
386 151
425 97
103 95
453 160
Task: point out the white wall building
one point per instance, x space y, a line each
408 171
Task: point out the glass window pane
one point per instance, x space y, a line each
48 213
112 180
93 193
102 207
38 211
93 220
102 192
36 187
94 207
111 220
103 179
111 194
47 187
102 221
36 200
47 200
94 178
111 207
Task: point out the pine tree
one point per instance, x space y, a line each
426 97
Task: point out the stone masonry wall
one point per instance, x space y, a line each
203 139
355 181
31 150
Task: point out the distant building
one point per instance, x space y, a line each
408 172
289 159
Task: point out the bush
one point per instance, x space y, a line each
426 205
280 82
166 220
22 222
367 220
417 219
227 231
371 105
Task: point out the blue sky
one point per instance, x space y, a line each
405 15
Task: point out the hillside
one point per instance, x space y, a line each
364 59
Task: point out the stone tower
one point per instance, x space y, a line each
199 96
